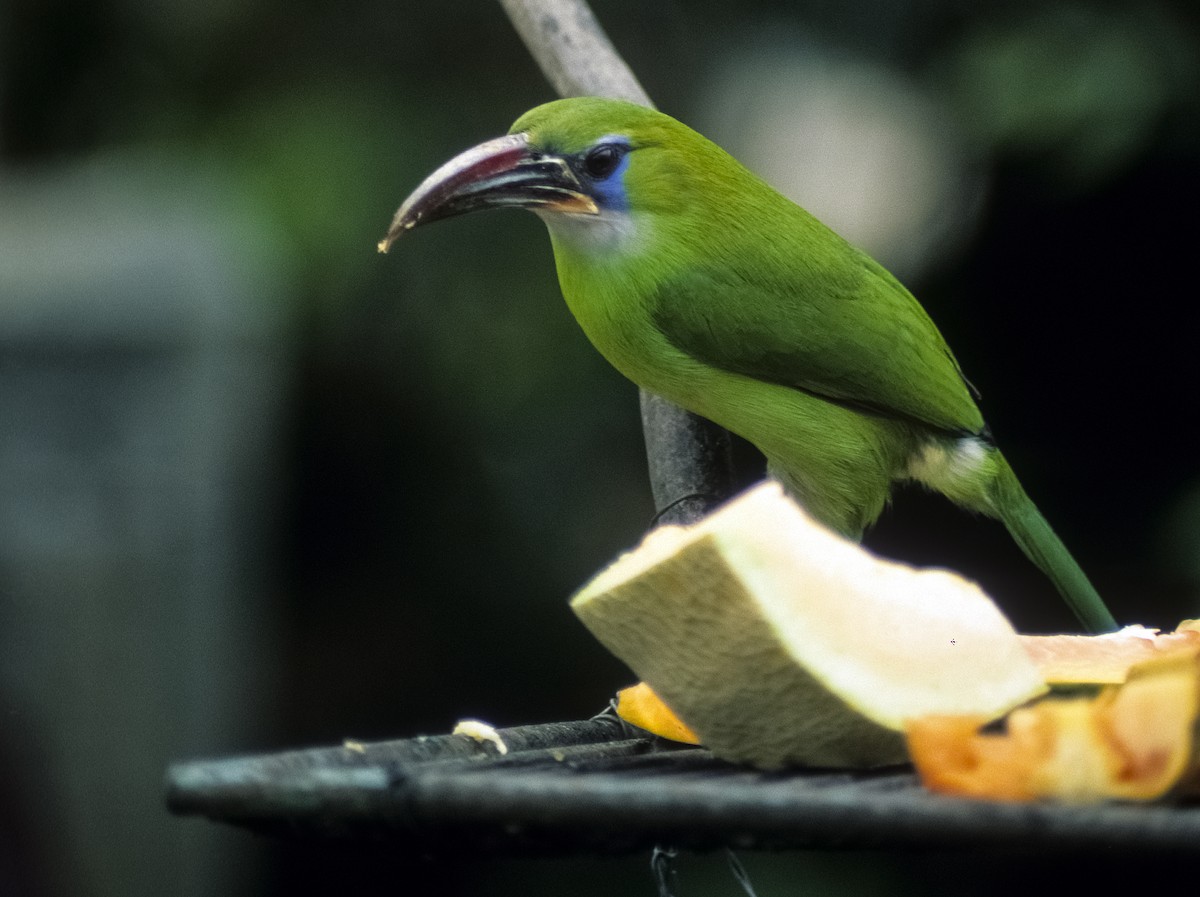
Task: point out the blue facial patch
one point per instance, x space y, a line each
609 191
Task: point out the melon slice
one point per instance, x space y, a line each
1104 659
1137 741
778 642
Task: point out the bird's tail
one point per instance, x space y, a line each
1031 531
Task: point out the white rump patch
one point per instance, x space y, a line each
945 465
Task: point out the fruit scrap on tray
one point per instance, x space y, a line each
774 642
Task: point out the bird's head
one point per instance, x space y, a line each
595 170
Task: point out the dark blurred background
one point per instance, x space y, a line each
261 487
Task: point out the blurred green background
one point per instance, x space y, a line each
261 487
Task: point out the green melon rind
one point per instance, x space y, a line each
780 643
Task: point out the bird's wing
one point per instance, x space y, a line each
850 333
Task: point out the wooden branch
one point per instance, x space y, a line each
572 49
690 458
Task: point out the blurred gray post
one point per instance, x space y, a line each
690 458
143 360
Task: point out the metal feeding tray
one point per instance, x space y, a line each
598 786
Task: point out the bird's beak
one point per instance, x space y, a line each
500 172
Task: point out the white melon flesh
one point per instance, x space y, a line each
780 643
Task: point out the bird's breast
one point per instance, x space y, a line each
608 270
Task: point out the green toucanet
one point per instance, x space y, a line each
701 283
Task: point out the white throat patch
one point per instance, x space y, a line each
609 232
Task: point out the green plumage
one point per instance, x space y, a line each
701 283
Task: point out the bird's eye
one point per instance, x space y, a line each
602 160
